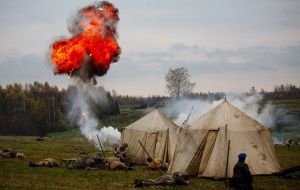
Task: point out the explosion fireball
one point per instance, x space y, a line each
93 45
89 52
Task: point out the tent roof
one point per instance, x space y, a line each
154 120
226 114
207 139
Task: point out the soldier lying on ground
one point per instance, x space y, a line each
156 164
114 163
117 165
10 153
40 139
166 179
84 161
291 173
49 162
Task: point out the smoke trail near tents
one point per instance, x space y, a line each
81 113
267 114
179 110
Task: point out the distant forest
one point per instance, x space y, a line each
38 108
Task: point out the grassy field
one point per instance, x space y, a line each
293 105
15 174
288 116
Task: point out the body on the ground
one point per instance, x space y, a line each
10 153
167 179
48 162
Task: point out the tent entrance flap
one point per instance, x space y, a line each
202 155
154 143
150 143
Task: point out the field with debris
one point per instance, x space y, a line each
15 174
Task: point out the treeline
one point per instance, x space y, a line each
210 96
38 108
287 91
134 102
33 109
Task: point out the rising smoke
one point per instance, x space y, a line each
81 114
178 110
267 114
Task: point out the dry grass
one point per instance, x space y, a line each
15 174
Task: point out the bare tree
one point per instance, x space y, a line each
253 90
178 82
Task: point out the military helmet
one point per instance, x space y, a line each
242 156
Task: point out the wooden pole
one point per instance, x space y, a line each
150 156
101 146
185 122
145 149
226 170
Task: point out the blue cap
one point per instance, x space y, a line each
242 156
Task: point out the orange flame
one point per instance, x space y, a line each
96 38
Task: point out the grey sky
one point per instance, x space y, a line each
226 45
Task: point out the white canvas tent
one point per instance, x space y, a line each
210 145
157 134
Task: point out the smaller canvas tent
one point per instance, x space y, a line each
157 134
209 146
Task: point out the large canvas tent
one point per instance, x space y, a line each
157 134
210 145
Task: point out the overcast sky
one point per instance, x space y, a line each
227 45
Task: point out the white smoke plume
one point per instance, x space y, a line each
178 110
250 106
81 114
